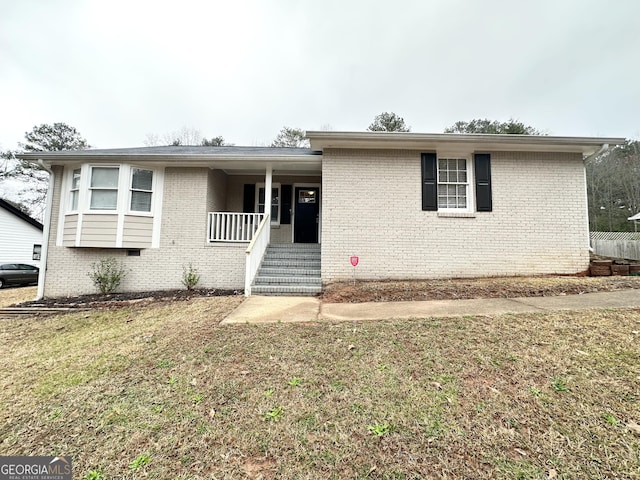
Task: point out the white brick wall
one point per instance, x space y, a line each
372 208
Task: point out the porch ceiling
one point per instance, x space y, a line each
279 166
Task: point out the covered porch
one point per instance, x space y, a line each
239 193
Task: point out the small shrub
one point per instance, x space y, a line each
190 276
107 274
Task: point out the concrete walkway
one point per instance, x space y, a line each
257 309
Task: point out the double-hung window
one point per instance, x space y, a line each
104 188
275 202
453 184
141 190
75 189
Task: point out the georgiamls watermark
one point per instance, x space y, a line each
35 468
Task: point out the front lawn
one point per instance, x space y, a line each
161 391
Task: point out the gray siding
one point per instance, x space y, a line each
99 230
137 231
70 230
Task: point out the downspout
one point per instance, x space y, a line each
47 228
602 149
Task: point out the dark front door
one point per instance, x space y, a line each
307 215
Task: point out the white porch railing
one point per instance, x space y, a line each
233 226
255 252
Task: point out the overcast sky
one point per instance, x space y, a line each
120 69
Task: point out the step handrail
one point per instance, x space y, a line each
255 253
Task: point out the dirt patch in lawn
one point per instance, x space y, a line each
503 287
12 295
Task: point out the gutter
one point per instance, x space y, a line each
603 148
45 234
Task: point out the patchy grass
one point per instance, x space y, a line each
12 295
162 391
503 287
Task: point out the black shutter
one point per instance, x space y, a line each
429 182
483 182
285 209
249 198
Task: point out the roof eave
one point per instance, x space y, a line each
54 158
422 141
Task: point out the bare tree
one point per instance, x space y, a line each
218 141
184 136
613 186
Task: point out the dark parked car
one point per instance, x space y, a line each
18 274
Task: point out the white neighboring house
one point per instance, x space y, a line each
20 236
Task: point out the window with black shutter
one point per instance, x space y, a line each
447 182
429 182
483 182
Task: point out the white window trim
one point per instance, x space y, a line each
71 190
273 185
123 205
118 189
470 208
154 173
125 178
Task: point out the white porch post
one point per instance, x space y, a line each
267 198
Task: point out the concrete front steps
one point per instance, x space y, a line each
289 269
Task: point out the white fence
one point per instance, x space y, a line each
616 244
233 226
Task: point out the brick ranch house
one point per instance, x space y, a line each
409 205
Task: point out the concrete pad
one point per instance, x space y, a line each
432 308
262 309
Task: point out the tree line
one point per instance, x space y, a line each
613 177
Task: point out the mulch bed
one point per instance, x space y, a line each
458 289
116 300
